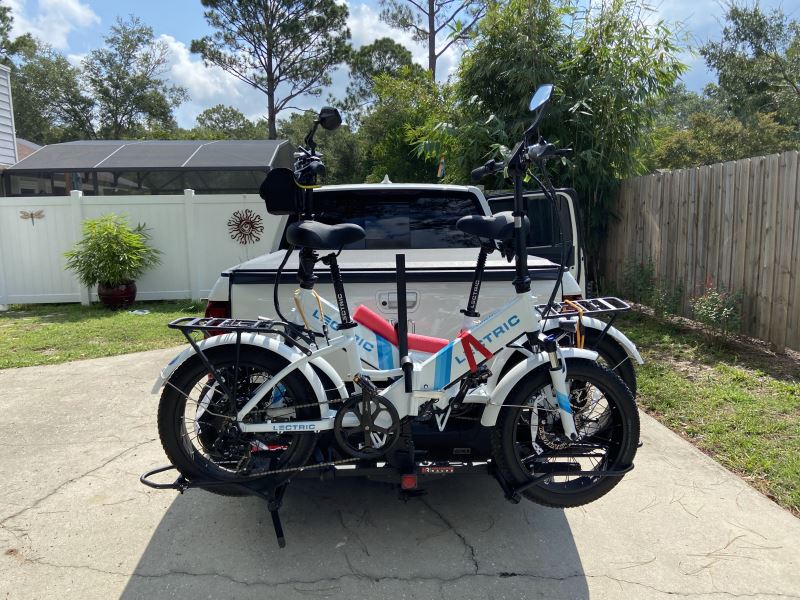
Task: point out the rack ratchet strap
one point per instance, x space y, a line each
580 339
300 310
470 342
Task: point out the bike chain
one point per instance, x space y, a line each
330 463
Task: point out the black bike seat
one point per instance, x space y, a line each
319 236
496 227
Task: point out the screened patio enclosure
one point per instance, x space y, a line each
151 167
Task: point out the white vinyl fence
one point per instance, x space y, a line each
192 232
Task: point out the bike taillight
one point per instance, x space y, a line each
219 310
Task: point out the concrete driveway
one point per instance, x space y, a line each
76 523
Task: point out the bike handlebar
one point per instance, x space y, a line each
536 152
489 168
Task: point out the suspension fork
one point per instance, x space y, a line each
558 375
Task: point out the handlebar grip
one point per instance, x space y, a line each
490 167
538 151
317 167
478 173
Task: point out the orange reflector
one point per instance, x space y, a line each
408 482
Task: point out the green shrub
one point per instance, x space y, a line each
718 309
640 284
638 281
666 300
111 253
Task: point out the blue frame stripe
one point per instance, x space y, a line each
444 360
385 358
563 402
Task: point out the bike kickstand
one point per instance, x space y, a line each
274 499
274 502
276 523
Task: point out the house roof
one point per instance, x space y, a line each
152 155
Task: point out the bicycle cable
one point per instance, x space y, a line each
275 300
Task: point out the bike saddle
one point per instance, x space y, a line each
497 227
320 236
377 324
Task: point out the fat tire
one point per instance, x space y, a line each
503 434
609 349
170 418
612 352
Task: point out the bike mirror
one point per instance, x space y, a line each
541 97
329 118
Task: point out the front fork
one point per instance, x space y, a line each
558 375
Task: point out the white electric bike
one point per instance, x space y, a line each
247 409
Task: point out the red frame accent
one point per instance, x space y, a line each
376 323
470 342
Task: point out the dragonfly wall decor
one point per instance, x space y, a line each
32 215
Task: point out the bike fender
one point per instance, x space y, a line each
265 343
516 374
613 332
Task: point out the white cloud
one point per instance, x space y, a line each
53 21
207 86
366 27
75 59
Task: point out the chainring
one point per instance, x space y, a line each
367 426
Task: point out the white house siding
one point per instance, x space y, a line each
8 145
190 230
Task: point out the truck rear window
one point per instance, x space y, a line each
542 216
400 219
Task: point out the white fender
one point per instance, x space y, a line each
612 332
265 343
498 395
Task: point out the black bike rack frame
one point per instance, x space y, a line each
273 495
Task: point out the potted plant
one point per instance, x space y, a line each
113 256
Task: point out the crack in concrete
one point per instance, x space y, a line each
452 527
441 581
59 487
355 533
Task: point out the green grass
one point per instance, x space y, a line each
736 401
44 334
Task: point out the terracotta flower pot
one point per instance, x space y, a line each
116 297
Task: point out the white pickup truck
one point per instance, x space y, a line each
419 220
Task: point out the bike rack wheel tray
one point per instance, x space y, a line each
273 495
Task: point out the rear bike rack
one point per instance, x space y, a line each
512 493
273 495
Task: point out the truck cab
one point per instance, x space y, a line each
418 220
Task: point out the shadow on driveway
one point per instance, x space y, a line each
350 538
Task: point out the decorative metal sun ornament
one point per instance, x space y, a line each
245 226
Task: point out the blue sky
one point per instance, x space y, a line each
76 26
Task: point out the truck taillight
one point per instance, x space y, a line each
217 310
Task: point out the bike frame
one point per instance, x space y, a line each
432 378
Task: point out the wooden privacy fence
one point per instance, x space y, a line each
734 224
